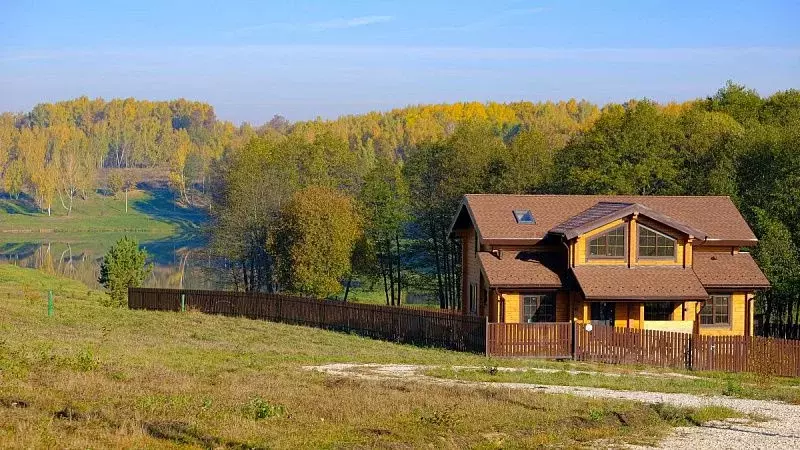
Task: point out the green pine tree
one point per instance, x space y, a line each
123 266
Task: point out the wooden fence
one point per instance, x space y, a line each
470 333
631 346
688 351
542 340
746 354
398 324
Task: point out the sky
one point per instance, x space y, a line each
305 59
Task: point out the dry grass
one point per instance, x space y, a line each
752 386
98 377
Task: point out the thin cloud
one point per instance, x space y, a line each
350 23
493 19
333 24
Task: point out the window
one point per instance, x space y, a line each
603 313
610 244
658 311
473 298
538 308
653 244
524 216
716 310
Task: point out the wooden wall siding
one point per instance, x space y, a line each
536 340
680 326
399 324
562 306
621 315
472 267
513 304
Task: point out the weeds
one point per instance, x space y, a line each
444 418
733 389
258 408
596 415
85 360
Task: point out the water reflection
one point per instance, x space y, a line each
175 266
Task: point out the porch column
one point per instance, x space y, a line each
641 316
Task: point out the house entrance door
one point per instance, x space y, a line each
603 313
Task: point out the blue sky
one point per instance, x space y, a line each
304 59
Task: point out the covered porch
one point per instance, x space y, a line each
678 316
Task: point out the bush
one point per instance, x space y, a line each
258 408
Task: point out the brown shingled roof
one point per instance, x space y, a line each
522 269
724 270
604 212
716 216
638 283
596 212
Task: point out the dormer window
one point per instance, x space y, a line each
610 244
524 216
653 244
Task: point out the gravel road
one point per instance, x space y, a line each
782 431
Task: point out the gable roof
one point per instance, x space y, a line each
493 215
604 212
725 269
638 283
523 269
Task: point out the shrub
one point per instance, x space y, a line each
258 408
733 389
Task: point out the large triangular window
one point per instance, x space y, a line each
610 244
653 244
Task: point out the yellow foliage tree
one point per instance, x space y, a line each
314 241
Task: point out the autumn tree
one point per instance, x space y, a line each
314 241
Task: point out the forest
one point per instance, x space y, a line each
311 206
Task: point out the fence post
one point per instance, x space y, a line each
183 302
486 336
690 355
574 338
50 304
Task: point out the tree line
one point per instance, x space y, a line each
308 206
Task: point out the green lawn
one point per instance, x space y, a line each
97 377
98 213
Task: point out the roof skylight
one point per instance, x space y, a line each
524 216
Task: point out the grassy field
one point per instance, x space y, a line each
98 213
100 220
97 377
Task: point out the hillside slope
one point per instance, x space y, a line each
97 377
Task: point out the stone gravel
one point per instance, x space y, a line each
780 431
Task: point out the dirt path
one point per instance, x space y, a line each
781 432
